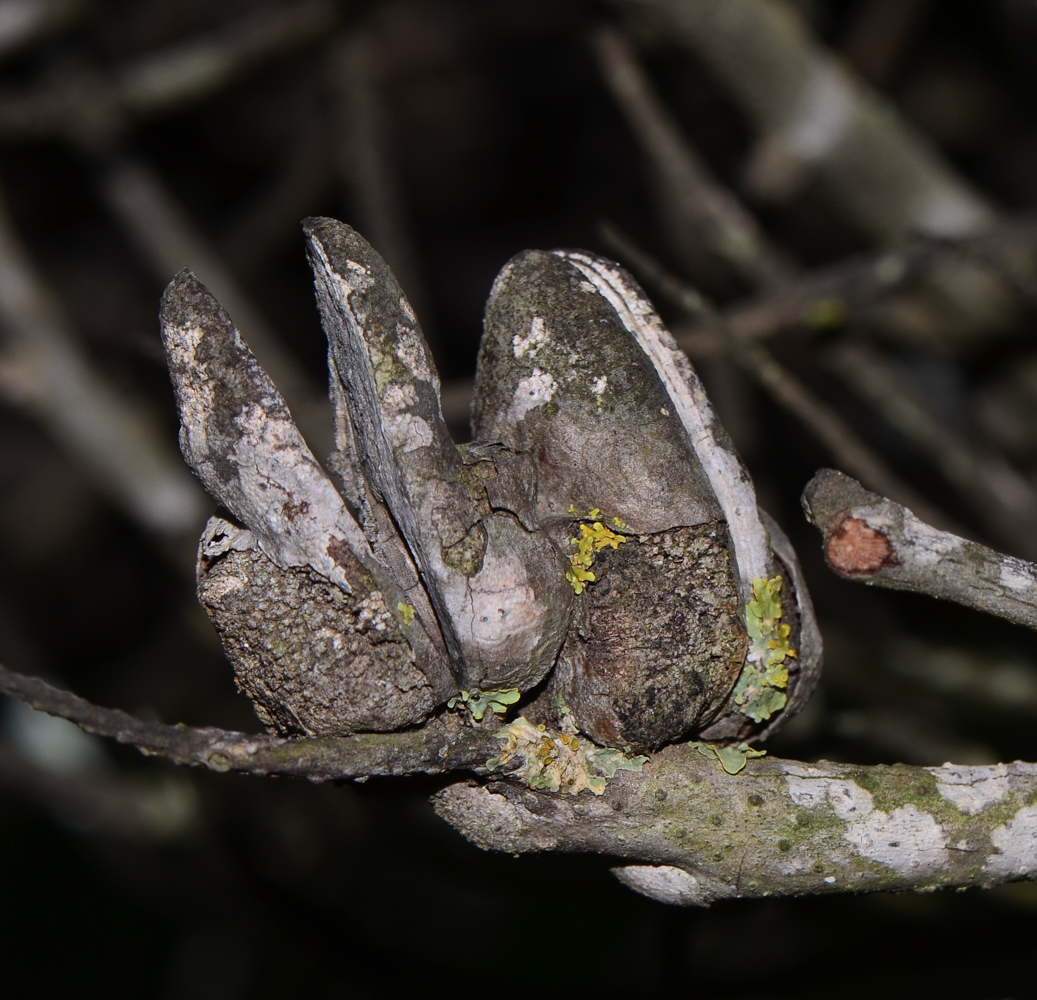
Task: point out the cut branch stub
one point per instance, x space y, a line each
871 539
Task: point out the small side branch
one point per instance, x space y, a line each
874 540
439 747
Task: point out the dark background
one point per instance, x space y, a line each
125 877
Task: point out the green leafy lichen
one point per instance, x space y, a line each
406 613
760 691
563 761
593 538
732 759
477 702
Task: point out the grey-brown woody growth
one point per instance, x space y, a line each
431 568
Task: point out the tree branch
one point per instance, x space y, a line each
444 745
874 540
778 828
815 118
692 833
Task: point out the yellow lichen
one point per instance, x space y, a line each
760 688
731 759
593 538
560 762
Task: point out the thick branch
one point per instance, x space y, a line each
437 748
777 828
874 540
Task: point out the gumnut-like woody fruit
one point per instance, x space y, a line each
599 546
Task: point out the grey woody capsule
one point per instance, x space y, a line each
601 533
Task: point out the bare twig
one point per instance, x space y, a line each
90 107
209 62
874 540
813 117
707 223
436 748
1002 497
50 377
170 242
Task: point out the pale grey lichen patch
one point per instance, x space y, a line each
239 438
848 800
1016 845
534 390
1016 575
907 840
404 430
363 272
506 615
972 789
410 350
664 883
538 335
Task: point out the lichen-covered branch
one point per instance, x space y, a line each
874 540
694 834
690 832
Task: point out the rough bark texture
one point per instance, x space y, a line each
313 659
501 603
577 370
658 641
558 379
692 833
876 541
440 568
445 744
